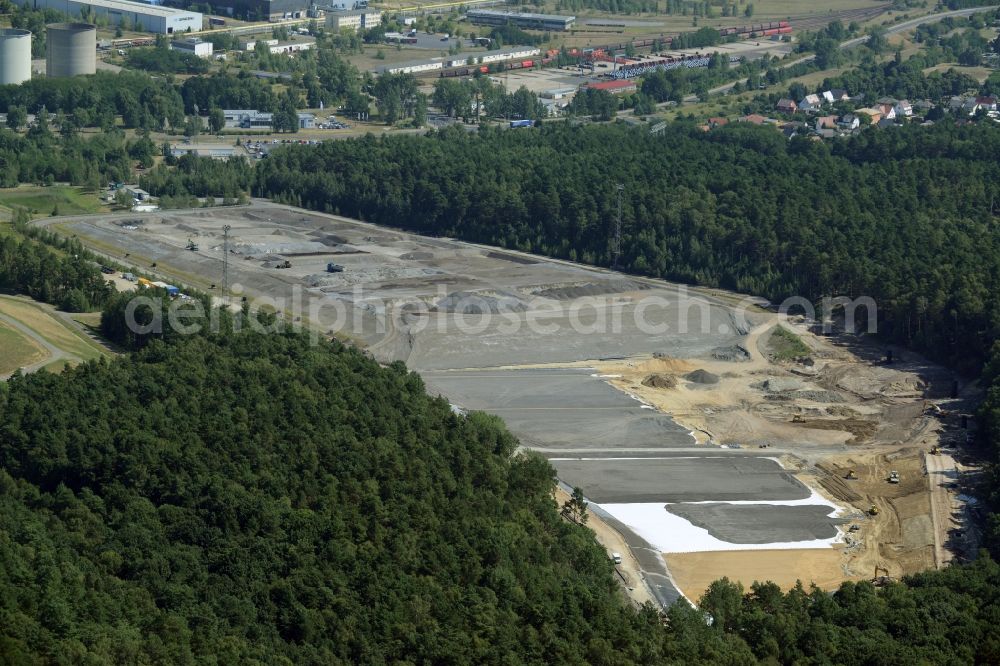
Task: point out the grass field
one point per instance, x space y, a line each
51 327
978 73
17 350
42 201
783 345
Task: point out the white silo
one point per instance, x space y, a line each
70 49
15 56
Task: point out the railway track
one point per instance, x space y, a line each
817 21
798 23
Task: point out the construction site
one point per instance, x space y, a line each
712 435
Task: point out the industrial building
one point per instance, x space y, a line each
474 58
362 19
70 49
193 46
620 87
554 22
15 56
142 17
253 119
260 10
274 46
215 151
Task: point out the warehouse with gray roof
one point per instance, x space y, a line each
138 15
555 22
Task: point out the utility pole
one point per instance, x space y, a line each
225 265
616 238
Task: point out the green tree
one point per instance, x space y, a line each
575 508
216 120
17 117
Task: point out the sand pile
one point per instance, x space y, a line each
702 377
732 353
660 381
467 302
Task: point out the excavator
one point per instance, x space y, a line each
935 450
192 245
873 511
884 579
851 475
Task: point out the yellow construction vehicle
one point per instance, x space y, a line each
851 475
935 450
873 511
879 581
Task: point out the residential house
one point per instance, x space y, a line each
970 106
786 105
886 100
826 122
849 122
717 122
839 95
956 103
886 122
888 110
794 128
753 119
922 106
988 103
903 109
873 114
811 103
827 97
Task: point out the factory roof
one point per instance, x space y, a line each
523 15
136 7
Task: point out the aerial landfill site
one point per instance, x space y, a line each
711 434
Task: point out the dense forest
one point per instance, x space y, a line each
258 499
68 279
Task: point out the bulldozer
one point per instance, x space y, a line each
851 475
893 477
873 510
191 245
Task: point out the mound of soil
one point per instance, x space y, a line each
660 381
817 396
702 377
416 256
465 302
333 239
733 353
780 384
570 291
842 411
